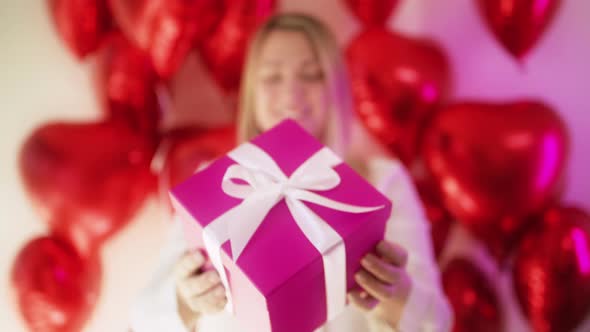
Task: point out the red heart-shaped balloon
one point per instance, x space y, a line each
166 29
82 24
551 275
88 179
496 164
56 288
224 50
372 12
126 83
472 297
397 88
188 149
518 24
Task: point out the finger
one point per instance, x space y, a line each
362 300
380 268
209 301
188 264
373 286
199 284
214 302
394 253
210 309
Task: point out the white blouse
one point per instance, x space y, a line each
427 308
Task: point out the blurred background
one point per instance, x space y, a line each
532 73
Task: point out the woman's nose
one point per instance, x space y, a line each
293 94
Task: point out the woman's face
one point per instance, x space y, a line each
290 83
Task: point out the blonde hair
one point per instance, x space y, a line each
338 128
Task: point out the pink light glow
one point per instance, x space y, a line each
429 92
540 7
549 161
582 249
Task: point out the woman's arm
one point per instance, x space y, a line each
426 308
156 308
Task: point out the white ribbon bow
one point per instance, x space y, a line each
265 185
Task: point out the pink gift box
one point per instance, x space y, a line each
278 281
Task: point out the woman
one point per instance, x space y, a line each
294 69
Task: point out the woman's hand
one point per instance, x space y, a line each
198 292
385 283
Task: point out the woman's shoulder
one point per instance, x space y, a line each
383 167
381 170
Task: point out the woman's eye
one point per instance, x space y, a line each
271 78
312 76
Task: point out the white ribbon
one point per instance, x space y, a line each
265 185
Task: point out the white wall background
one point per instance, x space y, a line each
40 81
